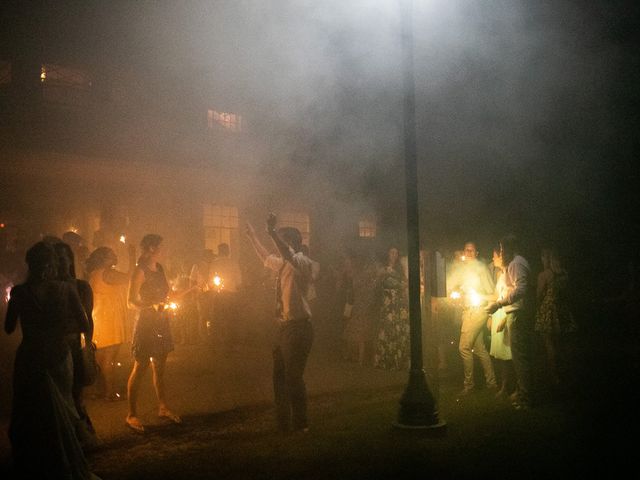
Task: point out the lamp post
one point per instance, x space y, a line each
417 405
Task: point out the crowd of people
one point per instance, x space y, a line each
60 312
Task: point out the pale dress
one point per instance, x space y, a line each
109 310
500 341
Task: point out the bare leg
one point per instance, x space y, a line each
158 366
133 385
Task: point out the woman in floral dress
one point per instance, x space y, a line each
392 345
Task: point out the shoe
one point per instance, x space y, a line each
166 413
134 424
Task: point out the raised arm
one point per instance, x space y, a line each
282 247
261 251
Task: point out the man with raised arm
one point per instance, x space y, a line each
295 333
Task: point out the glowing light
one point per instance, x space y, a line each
475 299
173 306
119 364
123 239
7 293
43 73
73 229
217 281
463 258
455 295
1 225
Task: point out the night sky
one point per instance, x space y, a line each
527 111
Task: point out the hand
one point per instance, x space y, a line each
492 308
501 325
271 221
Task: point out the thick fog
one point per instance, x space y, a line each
518 112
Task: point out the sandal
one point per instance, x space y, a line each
134 424
166 413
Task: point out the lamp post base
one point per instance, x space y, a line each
417 407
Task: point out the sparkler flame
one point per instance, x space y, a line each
455 295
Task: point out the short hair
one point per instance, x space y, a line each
150 240
292 237
510 245
101 257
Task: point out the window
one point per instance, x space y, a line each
367 228
64 84
297 220
5 73
229 121
220 226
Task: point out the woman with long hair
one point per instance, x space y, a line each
152 340
43 417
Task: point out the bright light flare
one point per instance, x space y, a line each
475 299
123 239
455 295
173 306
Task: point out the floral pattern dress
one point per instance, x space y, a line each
392 342
554 314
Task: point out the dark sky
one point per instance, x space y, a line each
527 111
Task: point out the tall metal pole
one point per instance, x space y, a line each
417 405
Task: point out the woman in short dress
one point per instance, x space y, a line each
152 341
109 312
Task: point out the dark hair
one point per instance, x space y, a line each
510 245
41 259
72 238
64 252
99 258
150 240
292 237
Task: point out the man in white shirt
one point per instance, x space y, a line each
295 333
518 305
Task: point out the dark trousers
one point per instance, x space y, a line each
521 331
289 361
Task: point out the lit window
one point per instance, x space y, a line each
230 121
64 84
220 226
297 220
5 73
367 228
